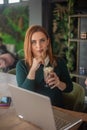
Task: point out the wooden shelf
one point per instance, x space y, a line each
76 40
78 15
78 75
80 21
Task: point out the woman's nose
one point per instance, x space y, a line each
38 44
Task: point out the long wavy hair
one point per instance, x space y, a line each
27 44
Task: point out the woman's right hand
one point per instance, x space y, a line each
37 62
35 65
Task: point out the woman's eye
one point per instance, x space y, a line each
42 40
33 42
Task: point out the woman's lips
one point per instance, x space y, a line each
40 51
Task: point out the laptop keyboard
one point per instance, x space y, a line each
60 121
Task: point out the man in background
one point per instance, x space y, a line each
7 59
7 62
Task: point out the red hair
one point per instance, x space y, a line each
27 43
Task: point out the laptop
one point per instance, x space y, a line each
37 109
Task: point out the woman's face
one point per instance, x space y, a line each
39 44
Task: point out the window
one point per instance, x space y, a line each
13 1
1 1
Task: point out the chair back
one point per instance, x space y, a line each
75 99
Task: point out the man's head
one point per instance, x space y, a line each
8 60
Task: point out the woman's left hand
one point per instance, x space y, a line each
53 80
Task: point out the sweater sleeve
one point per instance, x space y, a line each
21 76
64 75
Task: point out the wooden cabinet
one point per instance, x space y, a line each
78 35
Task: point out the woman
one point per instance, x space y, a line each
29 72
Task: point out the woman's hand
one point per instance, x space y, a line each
36 64
54 81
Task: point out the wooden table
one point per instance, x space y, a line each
8 117
81 115
10 121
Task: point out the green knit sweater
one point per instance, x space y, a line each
38 85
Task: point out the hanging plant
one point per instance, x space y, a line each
60 29
60 32
71 52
